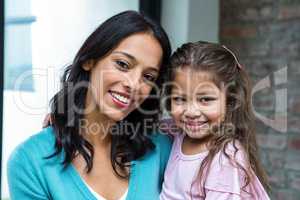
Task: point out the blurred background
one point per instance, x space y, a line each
42 37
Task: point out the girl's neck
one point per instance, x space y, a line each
191 146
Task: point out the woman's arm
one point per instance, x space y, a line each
22 176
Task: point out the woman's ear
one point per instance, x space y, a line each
88 65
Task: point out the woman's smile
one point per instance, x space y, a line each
120 99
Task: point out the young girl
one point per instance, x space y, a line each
214 154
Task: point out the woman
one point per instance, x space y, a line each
98 146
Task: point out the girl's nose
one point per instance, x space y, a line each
192 111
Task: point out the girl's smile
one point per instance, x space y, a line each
195 125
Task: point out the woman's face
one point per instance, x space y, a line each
123 79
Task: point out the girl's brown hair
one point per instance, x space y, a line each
225 69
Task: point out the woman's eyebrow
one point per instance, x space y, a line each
154 69
131 57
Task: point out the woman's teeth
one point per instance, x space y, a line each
120 98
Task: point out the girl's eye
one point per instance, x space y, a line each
206 99
178 100
124 66
149 78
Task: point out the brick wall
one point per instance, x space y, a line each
266 36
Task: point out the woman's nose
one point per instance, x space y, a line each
131 82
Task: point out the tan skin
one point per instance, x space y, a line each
129 69
196 104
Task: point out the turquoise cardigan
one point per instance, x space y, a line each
31 177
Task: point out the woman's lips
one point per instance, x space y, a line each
120 99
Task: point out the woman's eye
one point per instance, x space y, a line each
122 65
149 78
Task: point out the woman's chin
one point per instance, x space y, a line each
116 116
113 113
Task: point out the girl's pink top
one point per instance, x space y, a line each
224 180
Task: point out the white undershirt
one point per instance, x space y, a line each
99 197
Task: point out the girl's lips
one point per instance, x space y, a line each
194 125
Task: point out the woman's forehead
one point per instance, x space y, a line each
143 48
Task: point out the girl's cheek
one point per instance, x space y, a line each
214 111
176 110
215 116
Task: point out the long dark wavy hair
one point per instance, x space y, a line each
222 64
124 147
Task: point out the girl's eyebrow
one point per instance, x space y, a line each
177 92
131 57
206 92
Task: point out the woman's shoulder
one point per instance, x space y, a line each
163 144
29 172
159 137
44 139
37 146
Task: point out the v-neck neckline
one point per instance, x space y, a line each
86 191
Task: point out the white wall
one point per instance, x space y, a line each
191 20
174 18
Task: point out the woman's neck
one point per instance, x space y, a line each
96 128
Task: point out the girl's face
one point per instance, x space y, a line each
123 79
196 102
